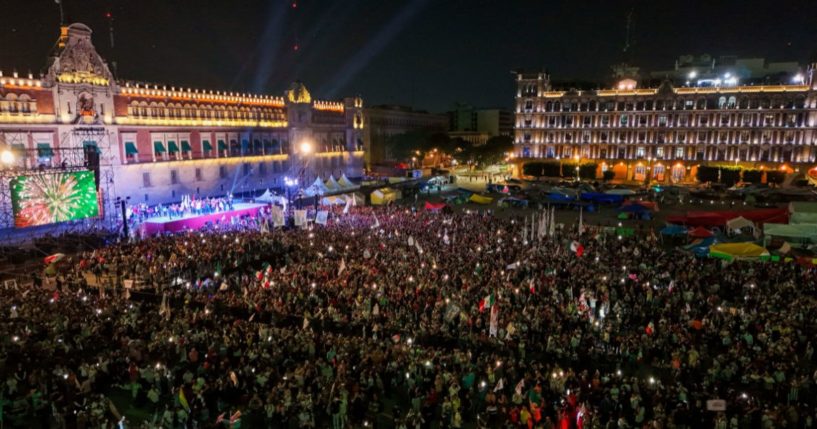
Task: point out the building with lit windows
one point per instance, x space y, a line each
663 133
156 143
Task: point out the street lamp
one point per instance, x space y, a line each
305 147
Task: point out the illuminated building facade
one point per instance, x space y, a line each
157 143
665 132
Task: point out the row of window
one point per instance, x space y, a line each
681 137
246 170
176 111
664 120
723 102
669 153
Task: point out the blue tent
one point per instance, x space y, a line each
673 230
554 196
633 208
601 198
701 248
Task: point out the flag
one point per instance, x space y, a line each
500 385
513 266
342 267
552 218
581 222
220 418
532 287
486 302
183 399
376 222
235 419
577 248
348 205
492 328
519 387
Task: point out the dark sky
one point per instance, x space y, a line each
426 53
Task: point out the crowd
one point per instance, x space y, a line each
393 318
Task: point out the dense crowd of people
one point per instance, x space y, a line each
393 318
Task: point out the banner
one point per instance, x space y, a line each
300 218
322 217
492 329
277 216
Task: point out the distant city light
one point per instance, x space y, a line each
693 74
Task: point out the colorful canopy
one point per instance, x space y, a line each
479 199
434 206
731 251
700 232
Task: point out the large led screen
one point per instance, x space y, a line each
41 199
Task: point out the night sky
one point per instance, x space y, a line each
425 53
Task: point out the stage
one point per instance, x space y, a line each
193 222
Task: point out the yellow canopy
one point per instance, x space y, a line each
479 199
737 250
384 196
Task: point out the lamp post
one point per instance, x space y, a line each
123 205
577 158
305 148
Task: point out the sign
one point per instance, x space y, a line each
716 405
300 218
277 216
322 217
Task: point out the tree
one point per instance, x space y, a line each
608 175
403 146
493 151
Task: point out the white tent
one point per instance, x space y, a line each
332 184
345 183
269 197
266 197
333 200
739 223
317 188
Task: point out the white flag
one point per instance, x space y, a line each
342 266
492 329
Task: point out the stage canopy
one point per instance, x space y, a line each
739 223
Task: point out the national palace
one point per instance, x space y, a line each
155 143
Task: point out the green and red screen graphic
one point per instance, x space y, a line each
41 199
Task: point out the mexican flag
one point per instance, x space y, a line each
577 248
486 302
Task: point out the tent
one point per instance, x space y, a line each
268 197
317 188
332 184
673 230
738 223
384 196
620 192
601 198
345 183
648 204
479 199
633 208
434 206
700 232
801 232
333 200
719 218
731 251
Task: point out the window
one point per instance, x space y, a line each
527 137
146 180
262 169
198 175
659 152
222 172
623 120
247 169
528 105
662 120
679 152
174 177
639 152
605 120
642 136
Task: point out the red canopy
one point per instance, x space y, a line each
434 206
719 218
700 232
